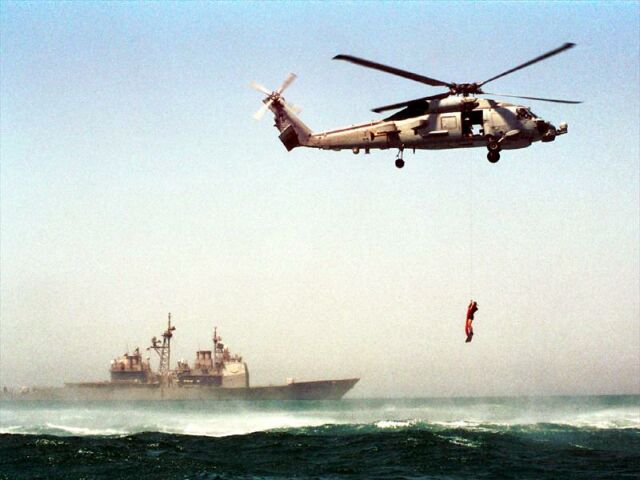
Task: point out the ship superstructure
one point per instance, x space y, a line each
131 368
217 367
211 368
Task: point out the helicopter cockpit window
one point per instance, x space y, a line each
524 113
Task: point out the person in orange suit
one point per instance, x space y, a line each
468 327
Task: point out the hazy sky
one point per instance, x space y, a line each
134 182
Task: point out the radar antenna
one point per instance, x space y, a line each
164 351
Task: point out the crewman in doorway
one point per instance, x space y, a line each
468 327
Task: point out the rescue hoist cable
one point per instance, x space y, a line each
471 190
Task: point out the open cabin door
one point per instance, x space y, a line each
472 124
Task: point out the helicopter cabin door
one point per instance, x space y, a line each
450 123
472 124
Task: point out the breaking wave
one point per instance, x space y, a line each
219 419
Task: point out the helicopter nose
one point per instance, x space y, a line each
546 130
550 134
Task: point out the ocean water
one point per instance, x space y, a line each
537 438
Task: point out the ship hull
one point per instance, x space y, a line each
316 390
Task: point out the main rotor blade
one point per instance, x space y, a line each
554 100
287 81
261 88
394 71
395 106
551 53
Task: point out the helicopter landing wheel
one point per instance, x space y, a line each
493 156
493 145
399 160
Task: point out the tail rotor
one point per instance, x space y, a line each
273 96
262 110
287 81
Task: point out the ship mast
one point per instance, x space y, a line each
164 351
217 356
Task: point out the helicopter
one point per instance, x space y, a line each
451 119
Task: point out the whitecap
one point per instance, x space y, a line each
85 431
464 442
386 424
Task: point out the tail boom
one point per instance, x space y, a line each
293 132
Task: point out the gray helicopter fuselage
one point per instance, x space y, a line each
459 122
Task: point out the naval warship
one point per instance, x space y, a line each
214 375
